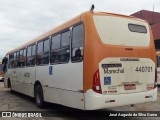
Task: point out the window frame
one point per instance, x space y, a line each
80 23
22 57
31 45
131 24
15 59
158 61
37 47
66 30
44 39
60 48
58 33
11 58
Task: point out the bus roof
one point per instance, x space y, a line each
66 25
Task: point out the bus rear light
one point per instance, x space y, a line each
96 87
155 82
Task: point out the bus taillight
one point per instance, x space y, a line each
155 82
96 87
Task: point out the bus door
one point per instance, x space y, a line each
30 71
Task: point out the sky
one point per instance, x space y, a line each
23 20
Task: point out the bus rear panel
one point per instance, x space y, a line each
121 60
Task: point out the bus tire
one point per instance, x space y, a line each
38 95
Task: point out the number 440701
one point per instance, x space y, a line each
144 69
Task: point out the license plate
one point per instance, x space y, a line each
129 86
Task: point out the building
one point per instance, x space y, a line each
153 19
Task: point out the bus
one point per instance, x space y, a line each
158 67
94 61
1 72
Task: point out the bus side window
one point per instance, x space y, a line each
31 52
45 56
22 57
64 52
14 65
28 55
5 64
39 53
158 59
43 52
77 43
17 59
55 45
11 60
33 61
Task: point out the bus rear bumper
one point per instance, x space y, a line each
95 101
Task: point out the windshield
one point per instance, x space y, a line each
122 31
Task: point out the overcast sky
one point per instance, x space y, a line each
23 20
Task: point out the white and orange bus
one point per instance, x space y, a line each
96 60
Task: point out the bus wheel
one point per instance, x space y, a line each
38 95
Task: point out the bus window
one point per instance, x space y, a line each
21 53
17 55
77 43
131 34
31 55
137 28
56 42
43 52
46 52
65 46
55 45
24 56
40 47
15 60
21 60
158 61
11 60
60 48
33 50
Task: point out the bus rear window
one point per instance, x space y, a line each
114 30
137 28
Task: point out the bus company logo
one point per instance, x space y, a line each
111 65
107 80
115 71
129 59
